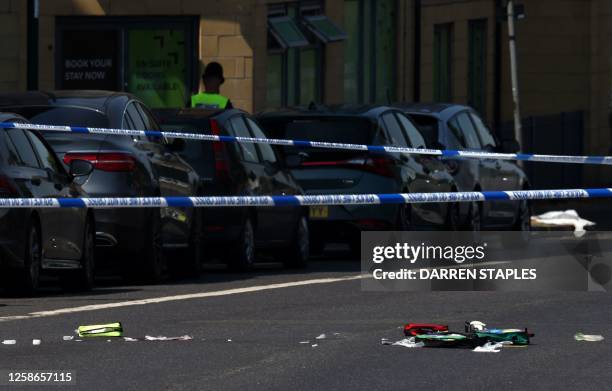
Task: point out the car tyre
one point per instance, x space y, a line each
148 265
453 217
242 255
189 262
297 254
25 281
83 279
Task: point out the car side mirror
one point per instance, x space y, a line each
511 146
293 161
79 168
177 145
436 145
270 168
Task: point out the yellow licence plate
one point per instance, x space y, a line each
319 212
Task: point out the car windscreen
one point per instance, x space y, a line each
332 130
199 154
428 126
64 116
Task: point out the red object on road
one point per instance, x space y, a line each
412 329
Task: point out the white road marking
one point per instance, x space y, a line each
163 299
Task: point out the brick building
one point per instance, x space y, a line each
279 53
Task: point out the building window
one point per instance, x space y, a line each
477 70
297 32
370 51
149 57
442 62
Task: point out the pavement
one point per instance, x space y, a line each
250 331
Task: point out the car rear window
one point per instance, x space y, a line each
63 116
428 126
332 130
199 154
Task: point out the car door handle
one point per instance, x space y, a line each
36 181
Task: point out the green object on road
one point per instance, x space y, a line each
101 330
516 336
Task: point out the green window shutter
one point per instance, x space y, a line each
442 62
477 58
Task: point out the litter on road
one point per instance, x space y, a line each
101 330
588 337
322 336
489 347
162 338
408 343
9 342
36 342
567 218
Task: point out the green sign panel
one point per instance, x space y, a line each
157 67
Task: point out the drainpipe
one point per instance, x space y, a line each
497 83
32 44
513 73
417 51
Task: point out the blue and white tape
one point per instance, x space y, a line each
301 200
446 153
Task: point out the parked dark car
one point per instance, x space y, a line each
35 240
126 166
452 126
326 171
247 170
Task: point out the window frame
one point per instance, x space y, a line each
291 76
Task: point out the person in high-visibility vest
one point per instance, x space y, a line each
211 98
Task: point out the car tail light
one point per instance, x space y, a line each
221 164
377 165
7 188
104 161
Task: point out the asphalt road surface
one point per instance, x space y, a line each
250 331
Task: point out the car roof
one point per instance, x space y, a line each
94 99
176 115
442 111
6 117
312 110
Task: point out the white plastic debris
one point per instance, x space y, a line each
489 347
9 342
36 342
322 336
477 325
128 339
304 342
162 338
68 337
408 343
588 337
315 345
560 218
229 340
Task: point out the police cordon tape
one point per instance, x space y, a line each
301 200
445 153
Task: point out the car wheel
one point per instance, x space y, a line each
189 262
26 280
83 278
474 219
148 266
453 217
242 256
296 256
523 222
404 220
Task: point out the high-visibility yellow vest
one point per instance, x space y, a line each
207 100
